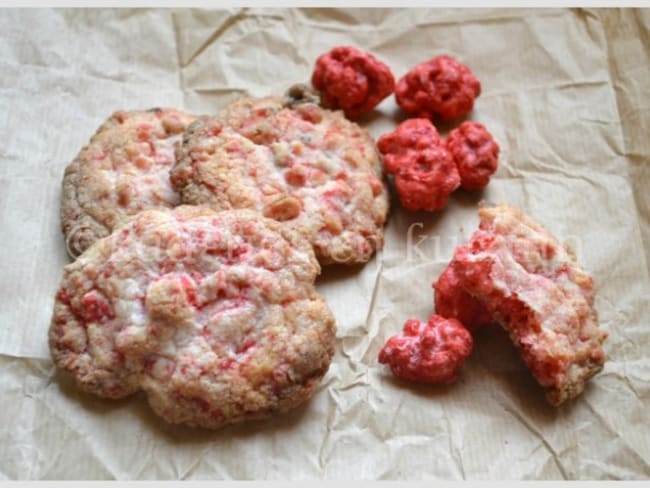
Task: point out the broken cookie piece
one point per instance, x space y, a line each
533 286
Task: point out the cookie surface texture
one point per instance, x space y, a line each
213 315
123 170
305 166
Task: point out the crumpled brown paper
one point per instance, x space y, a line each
566 95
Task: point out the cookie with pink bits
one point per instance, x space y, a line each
213 315
295 162
123 170
533 286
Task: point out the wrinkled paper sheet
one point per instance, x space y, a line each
566 95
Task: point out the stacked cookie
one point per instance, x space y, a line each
198 288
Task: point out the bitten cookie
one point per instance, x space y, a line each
292 161
214 315
533 286
123 170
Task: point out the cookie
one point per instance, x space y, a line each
535 289
123 170
214 315
292 161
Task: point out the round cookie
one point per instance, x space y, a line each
123 170
214 315
292 161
